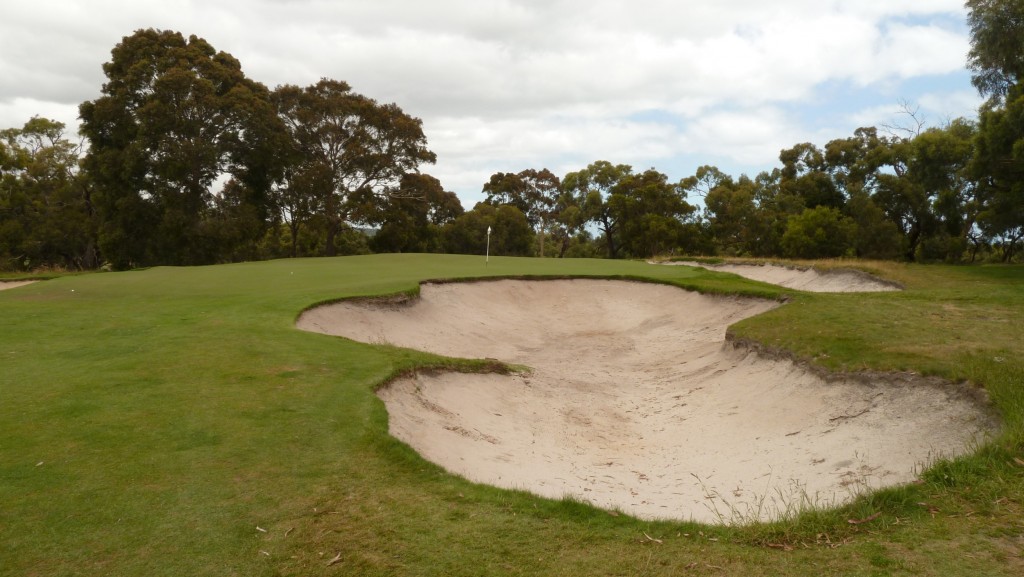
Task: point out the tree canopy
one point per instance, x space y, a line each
46 213
996 59
345 146
175 116
186 160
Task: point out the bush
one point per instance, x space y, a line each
820 232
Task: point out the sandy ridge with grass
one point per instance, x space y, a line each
636 402
804 279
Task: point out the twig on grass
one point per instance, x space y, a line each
337 559
649 538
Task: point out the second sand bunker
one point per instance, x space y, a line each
635 402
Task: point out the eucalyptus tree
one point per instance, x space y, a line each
732 213
592 188
706 179
805 174
652 213
534 192
996 58
503 229
412 219
819 232
344 146
46 215
175 117
996 61
998 167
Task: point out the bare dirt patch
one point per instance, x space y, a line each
636 402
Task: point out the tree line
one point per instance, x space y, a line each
187 161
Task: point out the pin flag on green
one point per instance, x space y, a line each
487 258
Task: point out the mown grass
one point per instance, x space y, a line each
174 422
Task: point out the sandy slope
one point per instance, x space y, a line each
636 402
805 279
9 284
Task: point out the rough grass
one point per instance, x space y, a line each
174 422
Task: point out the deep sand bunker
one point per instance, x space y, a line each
636 402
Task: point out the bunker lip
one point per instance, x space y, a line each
799 278
9 284
637 402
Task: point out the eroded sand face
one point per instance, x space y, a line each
636 403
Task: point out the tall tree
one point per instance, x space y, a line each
651 213
175 116
592 188
744 216
346 145
46 215
998 167
853 162
534 192
942 165
412 220
924 187
805 174
568 222
511 234
996 59
706 179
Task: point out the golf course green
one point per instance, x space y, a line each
174 421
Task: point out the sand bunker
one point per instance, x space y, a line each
9 284
636 402
804 279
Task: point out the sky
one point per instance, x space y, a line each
507 85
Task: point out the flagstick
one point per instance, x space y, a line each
487 259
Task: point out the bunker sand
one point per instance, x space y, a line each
636 402
804 279
9 284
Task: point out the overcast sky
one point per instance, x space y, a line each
505 85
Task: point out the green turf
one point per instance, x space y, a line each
172 421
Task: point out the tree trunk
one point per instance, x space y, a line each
609 240
565 246
913 238
333 226
293 226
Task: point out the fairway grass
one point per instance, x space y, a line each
173 421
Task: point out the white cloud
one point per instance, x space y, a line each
946 106
509 84
15 112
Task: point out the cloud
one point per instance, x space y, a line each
510 84
949 105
